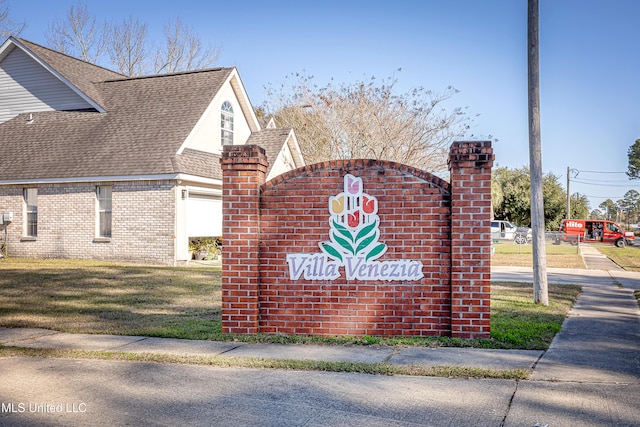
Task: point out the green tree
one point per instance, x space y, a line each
510 195
511 201
634 160
630 206
555 201
596 214
579 206
609 210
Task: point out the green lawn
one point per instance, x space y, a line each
627 258
93 297
558 256
518 323
185 302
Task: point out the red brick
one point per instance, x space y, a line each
418 213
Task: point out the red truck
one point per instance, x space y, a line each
594 230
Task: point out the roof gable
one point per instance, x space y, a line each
232 86
79 76
281 148
28 87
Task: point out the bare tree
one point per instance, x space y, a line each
127 46
368 120
182 50
7 26
540 287
77 35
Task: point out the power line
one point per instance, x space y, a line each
602 197
596 182
604 184
607 181
578 171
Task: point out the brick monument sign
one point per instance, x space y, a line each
357 247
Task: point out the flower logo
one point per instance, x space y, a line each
354 224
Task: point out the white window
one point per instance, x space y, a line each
226 123
31 204
103 194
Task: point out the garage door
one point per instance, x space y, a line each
204 215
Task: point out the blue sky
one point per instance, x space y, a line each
589 63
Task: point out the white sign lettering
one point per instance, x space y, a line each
354 232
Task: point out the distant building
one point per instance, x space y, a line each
97 165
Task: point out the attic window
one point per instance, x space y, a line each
226 123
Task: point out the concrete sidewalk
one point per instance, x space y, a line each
589 376
591 372
464 357
594 260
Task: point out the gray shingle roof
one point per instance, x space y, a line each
271 140
81 74
147 121
198 163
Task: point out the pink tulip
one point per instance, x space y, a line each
353 184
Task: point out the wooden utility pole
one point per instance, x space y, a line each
540 287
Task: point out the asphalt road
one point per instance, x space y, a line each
107 393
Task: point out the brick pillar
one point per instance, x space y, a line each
470 165
244 169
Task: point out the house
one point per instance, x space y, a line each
97 165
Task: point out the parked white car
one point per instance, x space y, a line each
505 230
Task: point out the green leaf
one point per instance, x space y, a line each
376 251
331 251
366 242
366 230
343 230
342 242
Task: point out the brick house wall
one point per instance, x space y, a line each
143 222
445 226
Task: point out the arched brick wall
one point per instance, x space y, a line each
424 220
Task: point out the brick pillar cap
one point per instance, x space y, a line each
243 154
479 152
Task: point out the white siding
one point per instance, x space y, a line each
283 163
26 87
206 136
